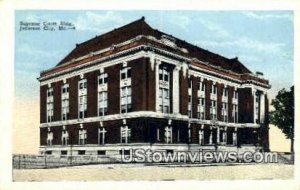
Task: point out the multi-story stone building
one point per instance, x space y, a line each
137 87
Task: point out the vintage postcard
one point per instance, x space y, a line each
153 95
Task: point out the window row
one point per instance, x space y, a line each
125 98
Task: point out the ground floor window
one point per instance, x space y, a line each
125 134
101 152
168 134
49 138
82 136
65 137
101 135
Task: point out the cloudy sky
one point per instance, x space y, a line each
263 41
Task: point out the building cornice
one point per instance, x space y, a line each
148 114
126 54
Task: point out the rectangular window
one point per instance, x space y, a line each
168 134
201 109
201 86
125 90
190 107
125 134
235 113
164 74
49 138
164 90
125 73
102 103
190 83
101 135
82 136
101 152
102 79
126 104
225 92
65 102
235 94
65 137
224 111
213 109
82 98
64 152
81 152
214 89
102 94
50 105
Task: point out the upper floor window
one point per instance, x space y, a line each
164 74
82 98
164 89
82 84
201 86
235 94
125 73
102 78
235 113
164 100
190 83
190 107
201 108
224 111
214 89
213 109
50 105
125 90
102 103
126 105
65 101
225 92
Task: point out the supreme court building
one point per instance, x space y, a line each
137 87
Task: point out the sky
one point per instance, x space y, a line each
262 41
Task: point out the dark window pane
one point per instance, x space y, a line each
160 77
166 78
129 73
101 152
122 75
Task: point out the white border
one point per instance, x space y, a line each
7 8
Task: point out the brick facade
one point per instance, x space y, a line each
147 124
